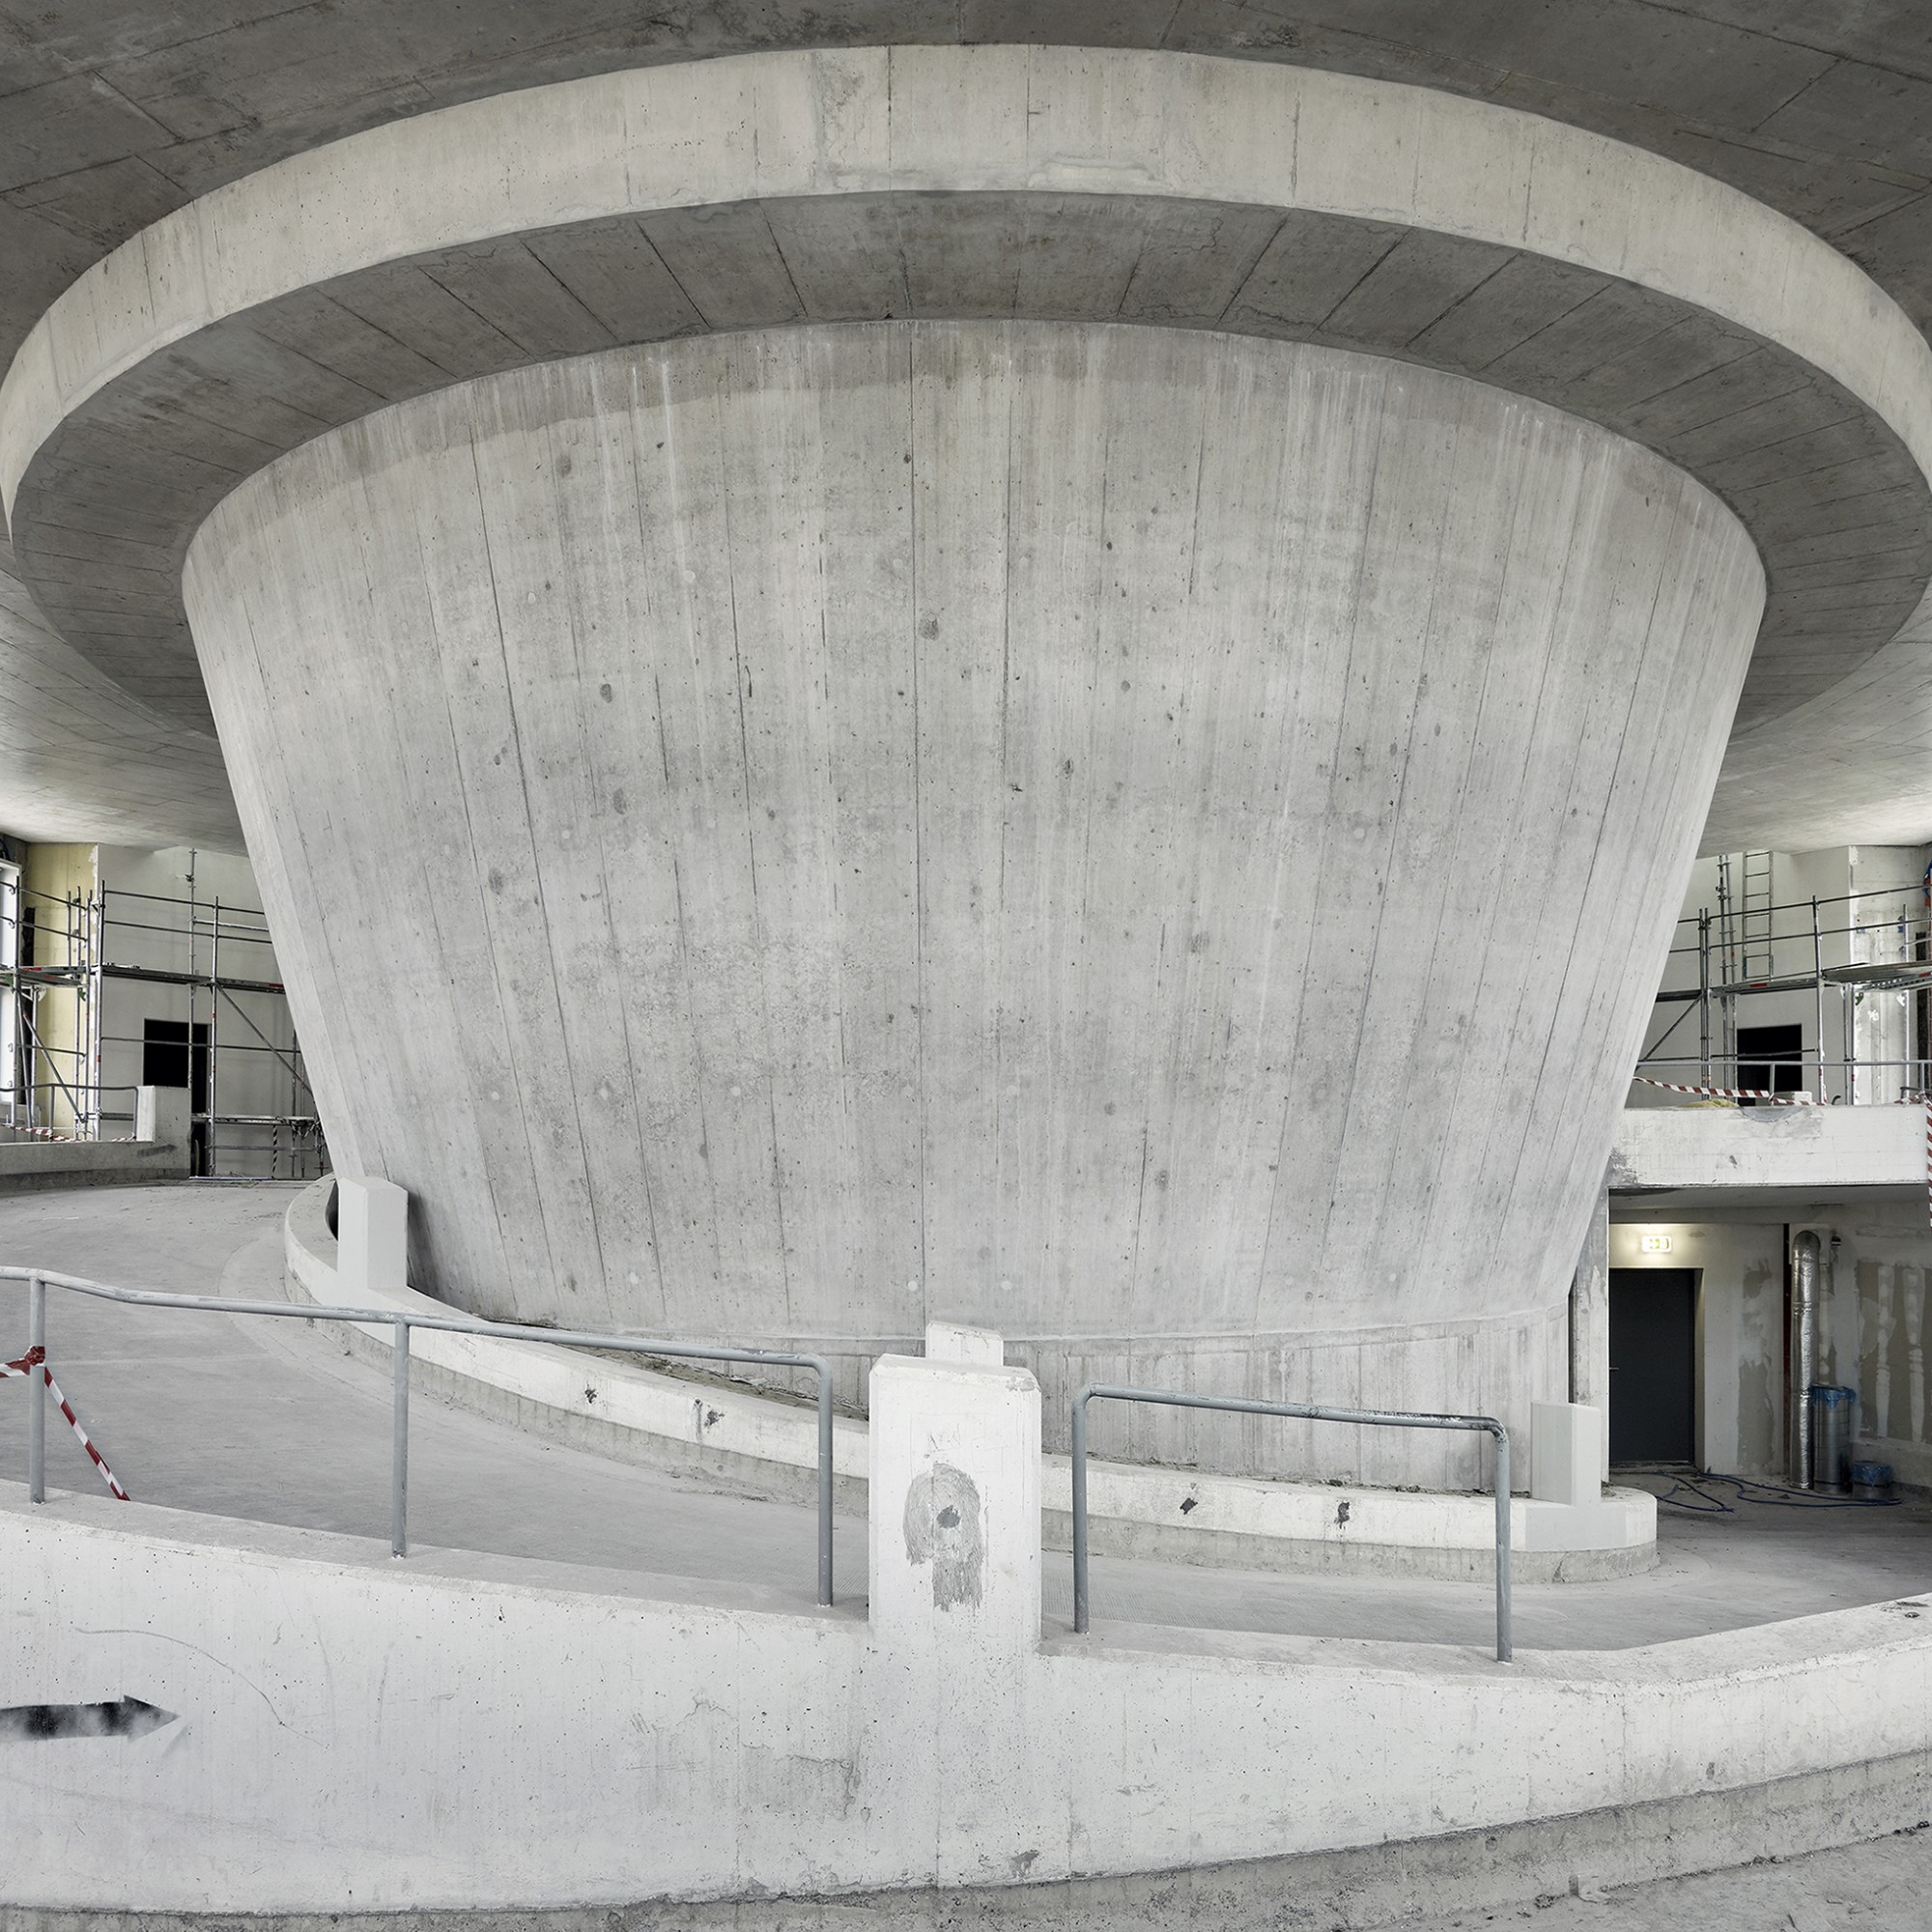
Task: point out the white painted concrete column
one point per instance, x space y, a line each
954 1570
1566 1452
163 1114
372 1230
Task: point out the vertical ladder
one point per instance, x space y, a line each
1754 916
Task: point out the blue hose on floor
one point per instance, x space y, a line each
1776 1496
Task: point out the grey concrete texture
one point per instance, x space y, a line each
1717 405
115 114
1804 1855
1853 764
145 459
136 468
84 762
877 879
27 1167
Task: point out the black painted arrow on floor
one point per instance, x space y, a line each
37 1723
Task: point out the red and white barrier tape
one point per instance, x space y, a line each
37 1359
1734 1093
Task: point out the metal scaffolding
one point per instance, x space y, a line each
47 1077
1738 949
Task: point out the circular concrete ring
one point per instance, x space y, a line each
769 191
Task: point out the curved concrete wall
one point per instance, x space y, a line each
1157 842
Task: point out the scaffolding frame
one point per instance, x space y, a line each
1724 946
295 1138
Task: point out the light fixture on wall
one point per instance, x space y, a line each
1656 1245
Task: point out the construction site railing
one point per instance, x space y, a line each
1378 1418
39 1280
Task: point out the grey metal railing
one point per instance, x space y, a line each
39 1280
1380 1418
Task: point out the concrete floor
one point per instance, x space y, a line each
268 1420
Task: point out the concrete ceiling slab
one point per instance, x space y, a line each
113 115
171 437
185 363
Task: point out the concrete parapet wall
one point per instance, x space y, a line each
1769 1146
34 1166
524 1734
768 1446
1491 1868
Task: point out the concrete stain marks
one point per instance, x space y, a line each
942 1527
49 1723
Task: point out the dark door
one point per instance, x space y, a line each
174 1054
1771 1059
1653 1366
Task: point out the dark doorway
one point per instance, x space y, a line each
1771 1059
174 1055
1652 1365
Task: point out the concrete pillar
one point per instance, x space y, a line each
955 1574
1590 1326
1158 842
371 1236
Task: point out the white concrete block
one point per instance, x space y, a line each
954 1484
949 1342
955 1560
1566 1452
372 1226
163 1114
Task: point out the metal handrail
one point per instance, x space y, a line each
1381 1418
39 1280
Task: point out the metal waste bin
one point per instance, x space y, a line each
1871 1482
1832 1438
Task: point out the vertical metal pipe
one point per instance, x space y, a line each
213 1033
37 1390
1818 993
1079 1466
825 1483
1704 996
1804 1351
399 1449
1504 1649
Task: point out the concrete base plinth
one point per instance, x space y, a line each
1153 841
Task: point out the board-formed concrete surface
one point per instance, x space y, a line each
926 183
842 769
1571 289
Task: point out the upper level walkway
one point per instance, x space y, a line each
1736 1148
